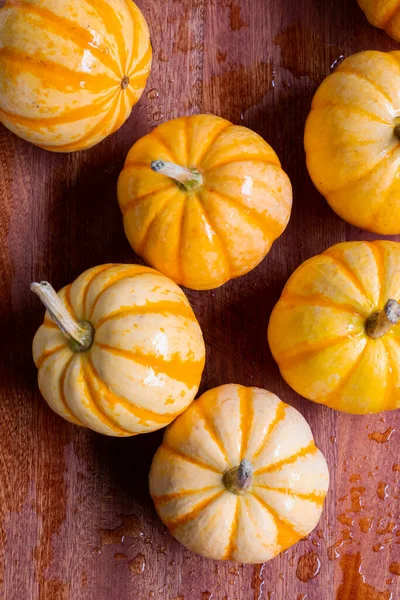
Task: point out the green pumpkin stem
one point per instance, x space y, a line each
381 321
79 335
238 480
187 179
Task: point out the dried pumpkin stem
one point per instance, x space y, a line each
79 335
188 179
238 480
380 322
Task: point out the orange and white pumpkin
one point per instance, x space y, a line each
238 476
120 350
203 200
71 70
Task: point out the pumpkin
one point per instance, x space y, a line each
71 70
238 476
384 14
334 332
352 141
120 350
203 200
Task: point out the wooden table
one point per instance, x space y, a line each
76 518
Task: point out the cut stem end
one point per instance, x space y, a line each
238 480
187 179
397 131
125 82
381 321
79 335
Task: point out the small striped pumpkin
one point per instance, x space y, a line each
203 200
238 476
120 350
335 331
71 70
384 14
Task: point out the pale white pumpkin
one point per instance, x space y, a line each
238 476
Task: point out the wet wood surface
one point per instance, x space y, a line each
76 518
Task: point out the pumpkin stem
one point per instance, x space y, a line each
80 335
380 322
188 179
238 479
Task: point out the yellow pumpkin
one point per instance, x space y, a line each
120 350
352 141
238 476
334 331
384 14
203 200
71 70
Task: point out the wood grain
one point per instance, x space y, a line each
76 518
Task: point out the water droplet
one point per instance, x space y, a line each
396 467
365 524
333 439
378 548
389 581
382 490
345 520
158 116
130 527
320 534
354 478
233 570
206 596
356 494
120 556
161 550
337 62
390 527
151 594
138 564
162 589
153 94
292 560
381 438
353 585
334 551
302 597
308 566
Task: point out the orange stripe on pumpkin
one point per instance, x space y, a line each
143 415
193 514
276 466
317 300
163 307
270 228
245 158
95 273
187 371
347 272
67 29
302 352
94 407
286 535
63 397
233 538
279 416
190 459
246 417
54 75
165 498
96 133
113 26
136 68
209 427
380 267
45 355
317 498
77 114
123 274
